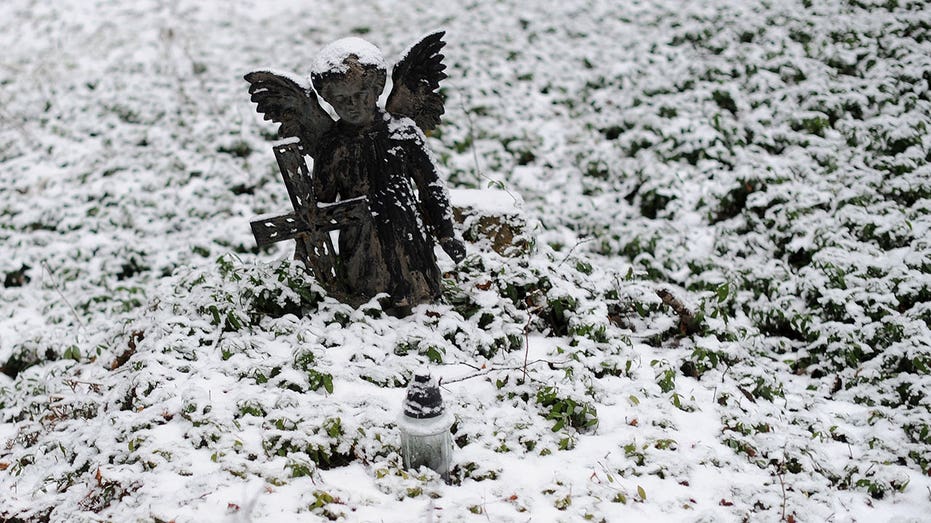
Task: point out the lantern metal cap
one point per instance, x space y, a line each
424 400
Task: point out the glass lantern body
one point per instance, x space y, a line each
427 442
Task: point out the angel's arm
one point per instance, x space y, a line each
416 78
434 198
295 106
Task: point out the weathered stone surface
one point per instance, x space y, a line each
373 179
493 217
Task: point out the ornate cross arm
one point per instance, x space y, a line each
277 229
327 217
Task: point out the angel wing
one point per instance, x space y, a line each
283 100
416 78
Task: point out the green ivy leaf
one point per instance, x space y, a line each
72 353
722 292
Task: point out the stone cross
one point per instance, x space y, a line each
311 222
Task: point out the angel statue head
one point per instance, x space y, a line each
350 74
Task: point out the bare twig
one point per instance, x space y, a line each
467 364
814 463
783 485
73 384
468 115
526 344
530 313
568 254
478 172
499 369
60 293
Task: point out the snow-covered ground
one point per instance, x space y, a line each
725 315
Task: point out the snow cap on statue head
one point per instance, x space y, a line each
348 58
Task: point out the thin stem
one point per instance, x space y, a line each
60 293
498 369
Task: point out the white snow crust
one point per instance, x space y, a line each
760 166
490 201
331 59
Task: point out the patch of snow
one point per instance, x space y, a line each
331 59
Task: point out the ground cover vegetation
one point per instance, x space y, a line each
723 315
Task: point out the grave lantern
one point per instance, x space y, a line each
425 423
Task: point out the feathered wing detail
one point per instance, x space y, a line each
283 100
416 78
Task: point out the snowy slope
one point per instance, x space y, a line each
725 315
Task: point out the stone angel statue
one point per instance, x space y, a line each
372 155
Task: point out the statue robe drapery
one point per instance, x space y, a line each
393 253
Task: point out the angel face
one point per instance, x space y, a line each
353 92
354 100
